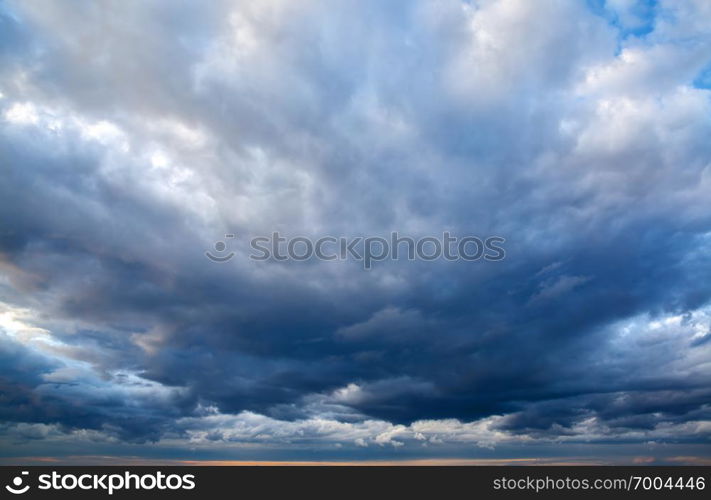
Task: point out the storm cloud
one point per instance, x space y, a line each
134 136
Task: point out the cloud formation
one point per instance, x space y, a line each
132 137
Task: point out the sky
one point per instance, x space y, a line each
135 135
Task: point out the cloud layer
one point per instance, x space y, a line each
132 137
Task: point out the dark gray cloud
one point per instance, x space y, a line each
134 137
